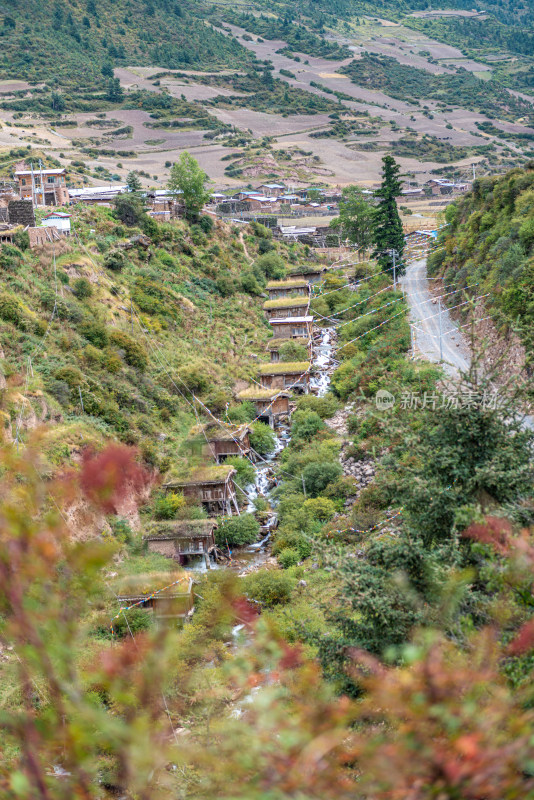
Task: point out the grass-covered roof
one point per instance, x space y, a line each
261 393
293 283
210 473
284 368
276 344
287 302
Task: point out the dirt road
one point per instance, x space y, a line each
426 322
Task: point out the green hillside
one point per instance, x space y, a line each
68 44
490 239
120 334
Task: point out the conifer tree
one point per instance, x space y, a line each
134 184
388 233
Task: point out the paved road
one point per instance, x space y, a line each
456 355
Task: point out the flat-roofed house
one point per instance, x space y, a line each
274 346
296 287
182 539
293 375
169 605
221 441
287 307
292 327
46 187
313 273
59 220
271 405
211 486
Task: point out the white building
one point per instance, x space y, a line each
59 220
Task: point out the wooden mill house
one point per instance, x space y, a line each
294 375
182 539
221 441
298 287
287 307
211 486
271 405
172 605
292 327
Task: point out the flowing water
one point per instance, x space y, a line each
247 559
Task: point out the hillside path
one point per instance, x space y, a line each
426 322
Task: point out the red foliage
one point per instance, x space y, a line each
524 641
494 531
107 477
245 611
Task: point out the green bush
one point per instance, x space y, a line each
115 260
10 308
288 557
271 265
292 351
246 474
95 332
306 425
317 476
237 531
326 406
269 587
70 375
262 438
134 353
166 506
82 289
138 620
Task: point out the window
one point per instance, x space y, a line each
23 181
296 332
51 179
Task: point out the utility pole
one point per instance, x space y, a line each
412 342
394 253
474 171
440 334
81 399
42 183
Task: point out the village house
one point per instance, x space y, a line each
220 441
441 186
288 288
286 307
45 187
312 273
274 346
40 235
182 539
271 189
294 375
170 606
292 327
211 486
271 405
97 195
58 220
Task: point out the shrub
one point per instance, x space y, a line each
71 375
269 588
237 531
306 425
249 284
320 508
246 474
292 351
94 332
129 209
22 240
82 289
288 557
206 223
166 506
317 476
138 620
115 261
134 353
10 308
326 406
262 438
271 265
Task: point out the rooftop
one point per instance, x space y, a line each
296 283
284 368
38 171
260 393
182 529
287 320
308 269
287 302
213 473
221 432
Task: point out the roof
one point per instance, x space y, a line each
38 171
215 473
287 320
221 432
60 214
98 190
284 368
261 393
289 284
273 185
276 344
182 529
308 269
287 302
142 586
